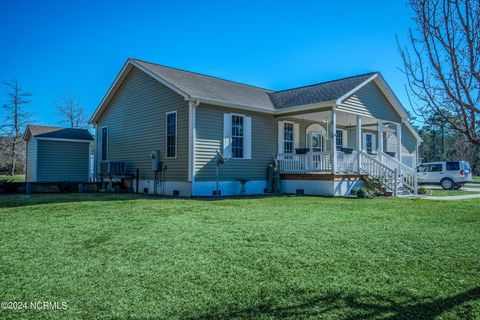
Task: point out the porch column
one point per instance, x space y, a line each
399 141
358 145
334 140
380 137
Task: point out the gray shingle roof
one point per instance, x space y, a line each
203 86
59 132
316 93
208 87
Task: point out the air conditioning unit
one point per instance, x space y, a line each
113 167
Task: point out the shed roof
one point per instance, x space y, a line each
57 133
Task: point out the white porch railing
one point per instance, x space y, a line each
406 175
378 170
316 162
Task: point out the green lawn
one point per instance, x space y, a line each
476 179
16 178
122 256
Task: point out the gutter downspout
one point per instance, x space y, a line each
192 119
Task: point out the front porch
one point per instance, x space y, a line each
337 147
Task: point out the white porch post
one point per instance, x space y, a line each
358 144
399 141
334 140
380 138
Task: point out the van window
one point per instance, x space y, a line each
453 166
422 168
466 166
436 167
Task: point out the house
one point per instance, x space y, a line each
55 154
324 137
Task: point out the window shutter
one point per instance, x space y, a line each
374 143
281 136
344 139
227 135
364 142
296 136
247 136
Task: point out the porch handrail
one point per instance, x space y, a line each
375 168
407 175
302 163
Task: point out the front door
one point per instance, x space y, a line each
317 141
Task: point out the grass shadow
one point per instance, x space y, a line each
353 306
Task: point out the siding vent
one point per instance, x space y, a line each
176 193
145 190
300 191
214 192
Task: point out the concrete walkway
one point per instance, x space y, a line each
461 197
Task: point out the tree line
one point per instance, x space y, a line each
16 114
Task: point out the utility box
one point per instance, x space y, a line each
155 156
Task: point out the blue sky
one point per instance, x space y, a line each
79 46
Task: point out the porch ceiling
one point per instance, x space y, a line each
343 118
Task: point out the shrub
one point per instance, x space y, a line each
375 185
363 193
424 191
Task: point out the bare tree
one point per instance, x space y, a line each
442 63
72 112
15 121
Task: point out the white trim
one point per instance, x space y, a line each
166 134
413 131
60 139
234 105
293 135
108 143
247 139
129 64
386 90
95 153
192 105
307 107
374 141
36 161
361 85
344 137
160 79
333 136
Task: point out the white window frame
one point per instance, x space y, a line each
293 137
243 136
108 144
374 141
166 134
344 138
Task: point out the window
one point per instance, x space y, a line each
172 134
453 166
435 167
422 168
369 142
339 139
288 137
237 136
104 143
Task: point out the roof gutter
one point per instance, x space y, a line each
232 105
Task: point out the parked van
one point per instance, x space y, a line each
449 174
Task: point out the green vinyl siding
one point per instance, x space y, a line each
370 101
409 141
62 161
31 160
136 121
209 138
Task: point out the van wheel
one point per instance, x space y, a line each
447 184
